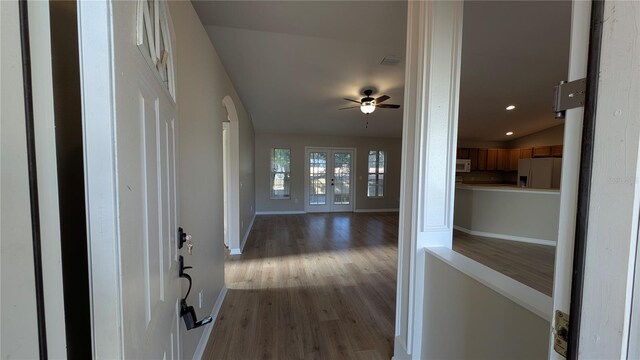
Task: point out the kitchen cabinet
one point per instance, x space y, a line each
502 159
473 156
492 159
556 151
542 151
463 153
514 156
482 159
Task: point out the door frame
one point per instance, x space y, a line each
352 177
432 81
98 79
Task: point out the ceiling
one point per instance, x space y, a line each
292 62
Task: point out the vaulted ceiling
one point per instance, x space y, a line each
292 62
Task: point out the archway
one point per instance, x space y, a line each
232 177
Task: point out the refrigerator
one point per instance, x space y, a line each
540 173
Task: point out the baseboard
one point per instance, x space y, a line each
246 234
375 210
296 212
506 237
204 339
399 350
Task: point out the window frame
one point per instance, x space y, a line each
377 174
272 174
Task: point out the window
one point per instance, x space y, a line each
375 183
155 42
280 173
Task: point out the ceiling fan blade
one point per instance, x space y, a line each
349 107
355 101
388 106
382 98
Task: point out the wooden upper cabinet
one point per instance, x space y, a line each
514 156
482 159
492 159
463 153
556 151
542 151
473 156
502 161
526 153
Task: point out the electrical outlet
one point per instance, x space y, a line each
295 200
200 298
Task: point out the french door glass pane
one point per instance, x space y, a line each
341 176
317 178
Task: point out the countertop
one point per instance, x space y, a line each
505 187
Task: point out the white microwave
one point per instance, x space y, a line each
463 165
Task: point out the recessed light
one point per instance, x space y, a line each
511 107
509 133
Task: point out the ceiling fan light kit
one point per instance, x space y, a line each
369 104
368 107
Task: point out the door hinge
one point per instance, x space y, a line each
561 333
569 95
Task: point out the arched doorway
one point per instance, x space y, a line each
231 163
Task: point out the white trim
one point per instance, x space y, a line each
204 339
529 298
233 175
284 212
375 210
614 199
400 350
432 82
238 250
506 236
246 234
101 183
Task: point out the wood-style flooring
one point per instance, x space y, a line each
312 286
323 286
530 264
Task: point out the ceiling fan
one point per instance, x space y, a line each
369 104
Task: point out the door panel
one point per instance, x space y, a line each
318 179
329 180
341 181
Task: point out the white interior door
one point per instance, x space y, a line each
329 182
130 144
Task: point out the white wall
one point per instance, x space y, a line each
297 143
465 319
19 337
512 213
202 83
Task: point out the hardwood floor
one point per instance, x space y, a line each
313 286
323 286
529 264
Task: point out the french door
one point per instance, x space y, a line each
329 184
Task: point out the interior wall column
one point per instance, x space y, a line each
434 41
